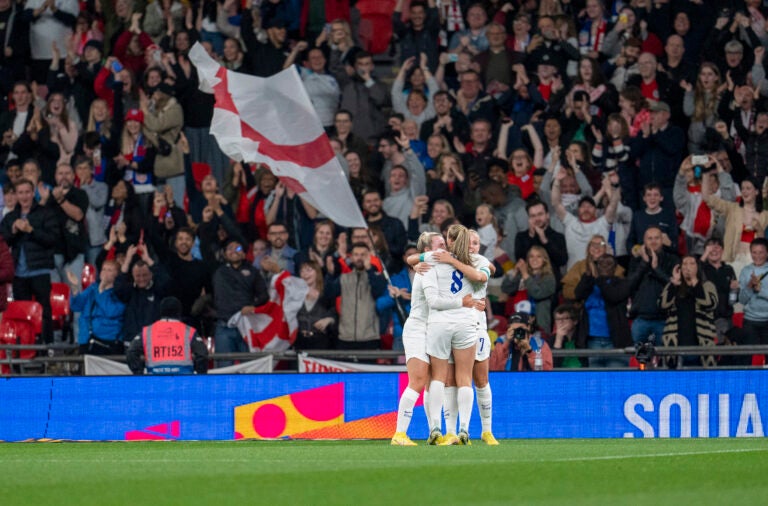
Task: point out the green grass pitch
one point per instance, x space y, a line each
558 472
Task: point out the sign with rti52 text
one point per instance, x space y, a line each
364 405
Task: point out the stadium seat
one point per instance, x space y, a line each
375 28
22 322
88 276
60 312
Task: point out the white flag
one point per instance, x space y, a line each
272 121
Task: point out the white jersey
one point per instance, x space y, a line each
444 288
419 307
483 265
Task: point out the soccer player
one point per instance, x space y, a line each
414 342
451 330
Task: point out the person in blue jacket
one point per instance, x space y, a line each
100 325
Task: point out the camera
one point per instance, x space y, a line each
645 352
520 334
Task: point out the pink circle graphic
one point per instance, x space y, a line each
269 421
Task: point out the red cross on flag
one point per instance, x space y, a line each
272 121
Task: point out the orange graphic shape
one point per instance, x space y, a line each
374 427
291 414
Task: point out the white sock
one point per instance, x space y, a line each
485 406
436 394
465 397
426 409
451 408
405 409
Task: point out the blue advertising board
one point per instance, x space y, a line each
363 405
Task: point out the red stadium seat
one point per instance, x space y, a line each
22 322
60 312
88 276
375 28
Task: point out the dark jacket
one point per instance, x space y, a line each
142 306
645 299
233 289
413 43
660 156
615 292
38 244
558 253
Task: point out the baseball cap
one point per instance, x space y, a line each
522 313
94 44
135 115
660 107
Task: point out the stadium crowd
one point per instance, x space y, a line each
611 155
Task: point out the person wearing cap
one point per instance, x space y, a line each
267 58
237 288
169 346
521 348
658 149
137 158
86 69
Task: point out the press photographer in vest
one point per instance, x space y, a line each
168 345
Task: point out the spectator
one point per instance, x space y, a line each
364 98
522 348
690 301
401 198
279 255
69 205
534 275
359 289
496 61
163 120
700 104
540 233
49 23
296 214
420 34
743 221
316 317
579 229
603 324
674 63
341 49
593 30
564 334
658 150
265 58
448 121
393 228
97 193
141 285
137 157
15 46
360 179
654 86
399 292
473 102
508 209
192 277
100 325
343 125
159 343
473 39
699 222
237 290
726 283
654 215
753 294
596 248
32 231
654 265
413 103
15 122
322 87
442 211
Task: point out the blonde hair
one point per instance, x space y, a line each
439 164
459 234
547 267
425 241
106 125
596 236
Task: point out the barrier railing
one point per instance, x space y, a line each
63 359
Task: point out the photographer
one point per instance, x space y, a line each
521 349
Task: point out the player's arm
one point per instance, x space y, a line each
470 273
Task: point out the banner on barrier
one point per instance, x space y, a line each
312 364
704 404
99 366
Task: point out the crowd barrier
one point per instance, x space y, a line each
628 404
